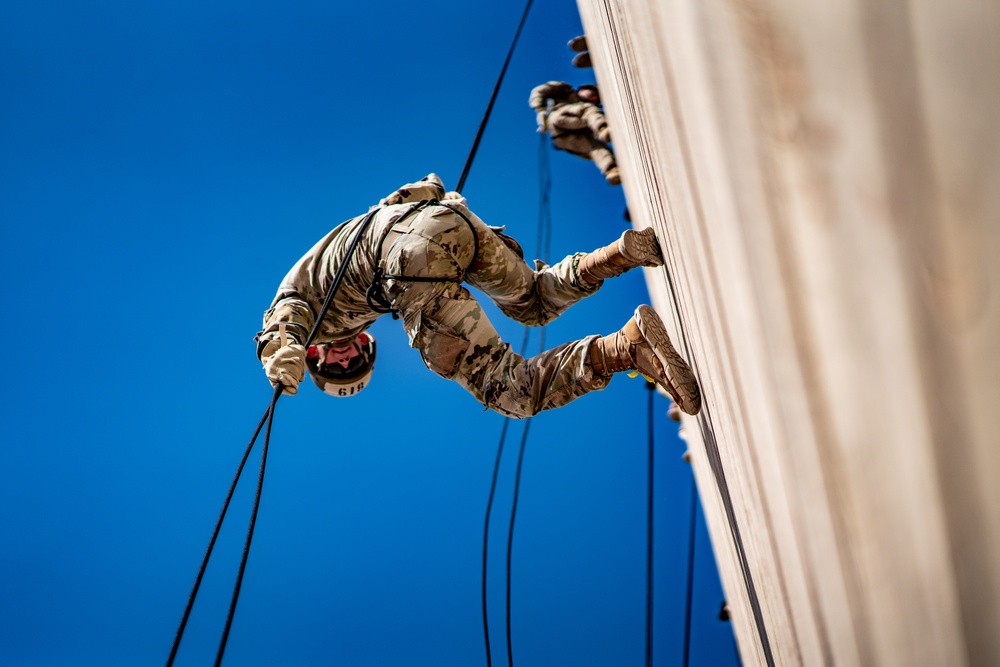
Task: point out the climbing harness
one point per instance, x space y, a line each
375 295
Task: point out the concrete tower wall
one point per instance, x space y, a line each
825 179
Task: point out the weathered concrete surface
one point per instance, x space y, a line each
825 178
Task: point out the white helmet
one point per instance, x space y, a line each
335 379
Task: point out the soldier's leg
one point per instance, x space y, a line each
538 296
439 243
602 156
584 145
458 342
576 143
633 249
531 296
440 246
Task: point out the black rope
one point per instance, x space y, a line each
269 417
253 523
269 414
514 503
543 240
510 533
215 535
493 99
486 537
690 573
339 276
489 511
651 386
705 422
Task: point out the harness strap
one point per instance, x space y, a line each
376 297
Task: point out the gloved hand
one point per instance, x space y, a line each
543 121
285 365
604 134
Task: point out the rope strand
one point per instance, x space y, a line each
690 573
269 417
486 535
493 99
510 534
250 529
215 535
269 414
543 241
651 386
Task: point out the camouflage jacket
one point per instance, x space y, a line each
567 112
303 290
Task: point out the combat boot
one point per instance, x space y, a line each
578 44
643 345
631 250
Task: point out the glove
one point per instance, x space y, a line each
543 121
287 366
604 134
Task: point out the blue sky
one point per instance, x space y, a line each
162 165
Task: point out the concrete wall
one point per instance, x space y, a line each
825 180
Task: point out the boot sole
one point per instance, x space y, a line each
683 385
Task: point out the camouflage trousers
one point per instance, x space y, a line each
585 145
450 329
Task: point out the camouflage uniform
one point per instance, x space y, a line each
442 319
573 124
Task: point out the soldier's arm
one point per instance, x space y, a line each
429 187
553 89
290 309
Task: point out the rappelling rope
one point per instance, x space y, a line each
715 462
690 573
493 99
338 278
250 529
269 413
215 533
510 529
543 240
269 417
651 386
628 99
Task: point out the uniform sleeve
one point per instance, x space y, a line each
429 187
291 306
552 89
290 309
